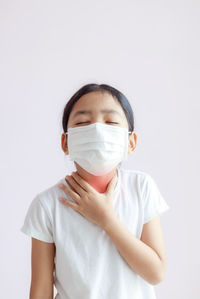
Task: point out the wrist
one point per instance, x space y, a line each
108 221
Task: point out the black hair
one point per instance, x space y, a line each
119 96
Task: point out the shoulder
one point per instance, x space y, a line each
48 196
140 176
137 179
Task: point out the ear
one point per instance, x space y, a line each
64 143
132 142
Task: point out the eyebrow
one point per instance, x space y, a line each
90 112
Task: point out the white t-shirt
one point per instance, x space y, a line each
88 265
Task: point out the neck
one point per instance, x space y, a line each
99 183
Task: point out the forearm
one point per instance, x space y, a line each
40 293
140 257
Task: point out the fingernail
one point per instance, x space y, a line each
61 185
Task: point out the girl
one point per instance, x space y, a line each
96 234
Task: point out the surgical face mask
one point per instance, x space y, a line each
98 148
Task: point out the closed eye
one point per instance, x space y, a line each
111 122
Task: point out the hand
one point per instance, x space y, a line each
96 207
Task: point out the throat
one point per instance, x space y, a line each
99 183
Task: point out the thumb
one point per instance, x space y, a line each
112 184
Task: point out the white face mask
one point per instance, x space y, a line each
98 148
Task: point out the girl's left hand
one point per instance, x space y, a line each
96 207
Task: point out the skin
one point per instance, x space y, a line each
42 267
93 196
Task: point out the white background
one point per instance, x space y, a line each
149 50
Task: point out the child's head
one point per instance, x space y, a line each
100 103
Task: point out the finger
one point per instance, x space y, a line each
69 203
70 180
87 187
67 189
70 192
69 184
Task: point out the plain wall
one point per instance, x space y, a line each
149 50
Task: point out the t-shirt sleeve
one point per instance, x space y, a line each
153 201
37 223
